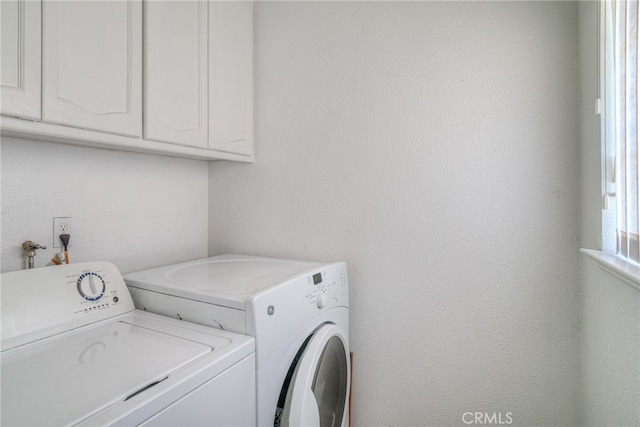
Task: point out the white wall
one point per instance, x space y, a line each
137 211
610 345
432 146
610 349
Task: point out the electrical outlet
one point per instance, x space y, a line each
61 225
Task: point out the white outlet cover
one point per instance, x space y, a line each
61 225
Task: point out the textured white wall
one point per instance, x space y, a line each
610 349
135 210
432 146
610 345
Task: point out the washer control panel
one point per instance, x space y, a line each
97 288
49 298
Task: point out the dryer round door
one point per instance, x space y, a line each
318 391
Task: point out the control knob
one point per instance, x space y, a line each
322 300
91 286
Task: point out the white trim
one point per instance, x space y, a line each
38 131
622 269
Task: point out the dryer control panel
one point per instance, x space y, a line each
45 301
314 297
327 287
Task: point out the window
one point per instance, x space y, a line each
621 121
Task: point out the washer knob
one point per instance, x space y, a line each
91 286
322 300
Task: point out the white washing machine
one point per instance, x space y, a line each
76 352
298 313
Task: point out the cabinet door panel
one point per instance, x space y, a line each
231 76
176 72
93 65
21 65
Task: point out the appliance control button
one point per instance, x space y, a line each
322 300
91 286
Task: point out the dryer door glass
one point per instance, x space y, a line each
319 388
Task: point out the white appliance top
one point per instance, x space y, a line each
227 280
77 375
71 358
268 299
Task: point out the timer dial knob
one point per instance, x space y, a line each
322 300
91 286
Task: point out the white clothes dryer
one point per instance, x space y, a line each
75 352
298 313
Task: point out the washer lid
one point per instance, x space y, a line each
226 280
69 378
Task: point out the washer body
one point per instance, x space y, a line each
298 313
76 352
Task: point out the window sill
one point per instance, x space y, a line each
620 268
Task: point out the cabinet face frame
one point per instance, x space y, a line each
63 62
21 97
170 80
231 76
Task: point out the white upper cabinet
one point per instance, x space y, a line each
92 65
72 72
20 73
231 76
175 75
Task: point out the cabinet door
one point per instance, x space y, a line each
21 65
175 108
231 76
93 65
